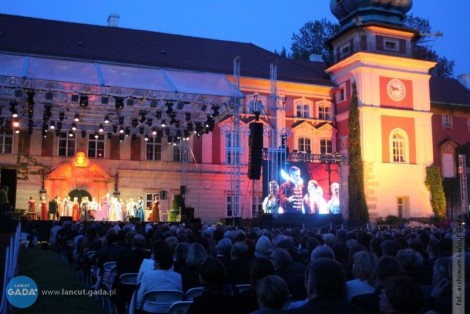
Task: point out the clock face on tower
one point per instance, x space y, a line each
396 90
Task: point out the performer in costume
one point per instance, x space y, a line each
105 206
291 192
84 208
31 205
67 206
314 203
333 204
44 208
156 209
94 209
270 203
75 209
53 209
140 209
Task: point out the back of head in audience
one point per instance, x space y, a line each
263 247
322 251
390 248
213 273
401 295
387 266
326 278
364 266
272 292
281 258
163 258
260 267
197 254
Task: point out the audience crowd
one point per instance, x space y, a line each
287 269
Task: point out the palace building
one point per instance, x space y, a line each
92 110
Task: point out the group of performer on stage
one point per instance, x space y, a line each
290 197
110 208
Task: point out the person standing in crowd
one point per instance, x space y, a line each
44 208
156 209
31 205
84 207
313 201
333 203
271 203
291 192
140 209
75 209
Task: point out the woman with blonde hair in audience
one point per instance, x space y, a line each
363 272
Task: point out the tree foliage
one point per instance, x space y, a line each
434 184
357 200
312 38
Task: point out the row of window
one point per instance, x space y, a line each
96 147
448 122
303 108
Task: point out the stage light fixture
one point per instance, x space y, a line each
158 115
115 128
59 125
121 137
121 120
149 121
96 135
169 107
134 122
110 135
163 124
30 97
61 116
83 101
180 105
146 138
74 97
76 118
130 101
101 128
121 130
153 104
154 131
74 126
215 111
71 134
141 130
52 125
127 131
106 119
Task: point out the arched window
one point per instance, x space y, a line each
255 103
303 108
399 146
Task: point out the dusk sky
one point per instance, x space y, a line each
269 24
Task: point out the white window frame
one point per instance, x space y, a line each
303 108
448 165
326 144
100 141
399 148
394 41
447 120
302 143
69 141
6 142
345 49
154 144
256 102
403 206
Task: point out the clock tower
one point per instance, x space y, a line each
373 49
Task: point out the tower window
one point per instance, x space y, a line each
391 44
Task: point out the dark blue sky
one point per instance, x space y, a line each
266 23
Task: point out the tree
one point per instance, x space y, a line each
422 48
434 184
313 36
357 200
312 40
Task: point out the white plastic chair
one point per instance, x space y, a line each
180 307
192 293
159 301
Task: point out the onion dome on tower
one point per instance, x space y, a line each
351 12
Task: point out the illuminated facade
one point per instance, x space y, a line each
137 113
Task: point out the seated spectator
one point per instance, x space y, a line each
238 268
247 301
197 254
161 278
411 262
363 271
390 248
387 266
401 295
272 293
217 296
292 272
149 263
322 251
181 253
326 285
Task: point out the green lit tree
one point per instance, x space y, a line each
357 200
435 186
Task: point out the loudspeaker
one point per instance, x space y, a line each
256 151
183 189
66 218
